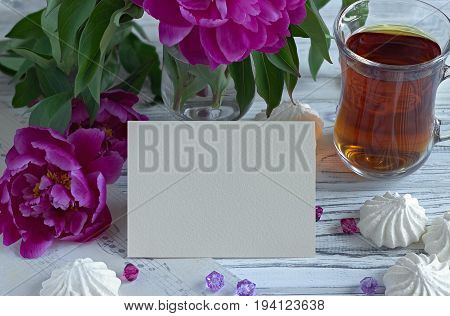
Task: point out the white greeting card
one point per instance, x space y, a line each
221 189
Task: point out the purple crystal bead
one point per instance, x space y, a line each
369 286
245 288
130 272
349 226
319 212
215 281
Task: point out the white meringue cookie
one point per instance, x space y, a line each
288 111
83 277
418 275
392 220
437 238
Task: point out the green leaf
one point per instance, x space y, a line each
321 3
43 61
130 54
53 112
315 27
140 30
192 88
290 80
110 72
26 65
141 60
113 27
361 11
315 60
49 23
52 81
244 83
185 84
216 79
72 16
131 12
95 85
122 32
26 90
155 81
171 66
91 105
113 30
6 71
296 31
269 81
28 27
39 46
12 63
7 44
284 60
135 81
346 3
92 42
51 5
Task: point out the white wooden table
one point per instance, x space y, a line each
342 260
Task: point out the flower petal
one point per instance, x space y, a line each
192 49
10 234
103 222
20 161
79 112
57 156
87 143
98 180
121 97
171 35
77 221
110 165
169 12
60 197
25 136
80 189
34 245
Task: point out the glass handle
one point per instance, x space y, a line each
438 137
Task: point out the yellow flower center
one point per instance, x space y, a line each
108 132
62 178
36 190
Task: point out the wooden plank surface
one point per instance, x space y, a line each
342 261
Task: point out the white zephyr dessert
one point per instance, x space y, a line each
418 275
83 277
392 220
289 111
437 238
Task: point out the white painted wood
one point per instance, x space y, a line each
342 261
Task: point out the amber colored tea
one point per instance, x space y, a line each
386 119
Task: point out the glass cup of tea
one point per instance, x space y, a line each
393 57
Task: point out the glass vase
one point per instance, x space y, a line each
197 92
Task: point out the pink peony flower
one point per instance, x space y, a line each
224 31
51 190
116 109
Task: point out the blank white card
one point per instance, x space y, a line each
221 189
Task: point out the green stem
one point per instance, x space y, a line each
177 98
217 99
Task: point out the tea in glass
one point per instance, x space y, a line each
386 120
393 57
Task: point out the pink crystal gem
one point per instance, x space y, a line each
369 286
130 272
349 226
215 281
319 212
245 288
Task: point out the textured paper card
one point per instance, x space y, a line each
222 189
